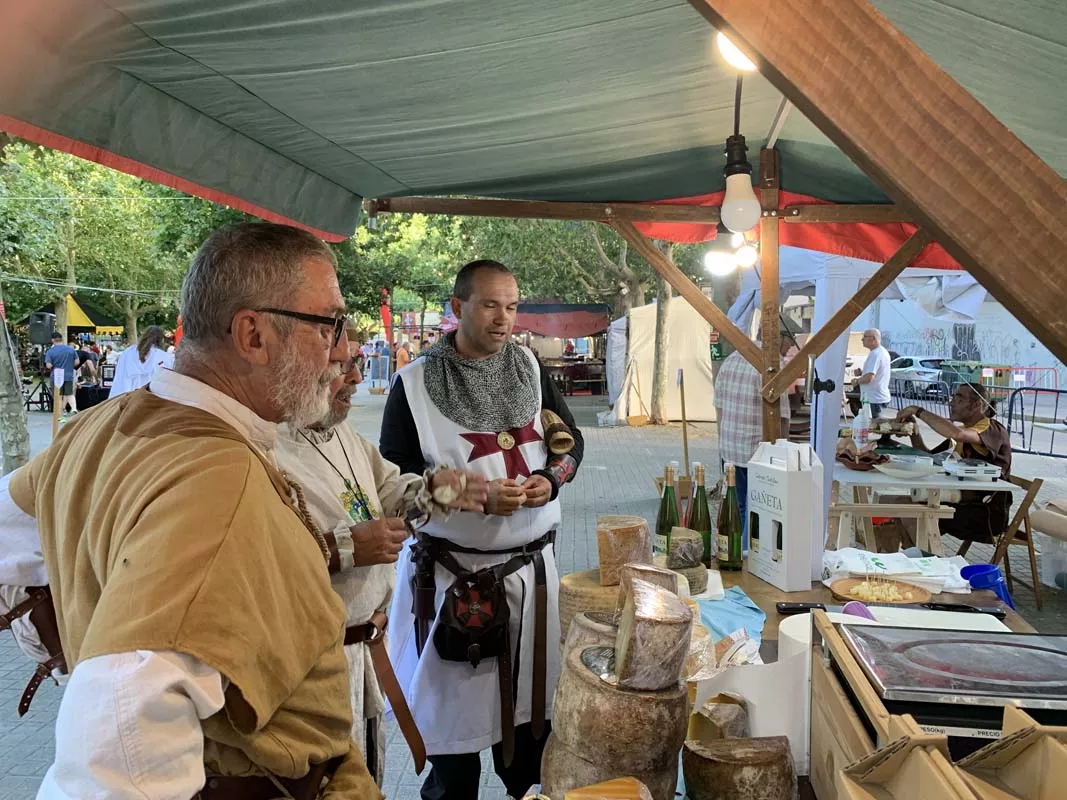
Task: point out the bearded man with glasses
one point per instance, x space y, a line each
364 507
190 582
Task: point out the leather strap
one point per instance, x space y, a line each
36 595
39 676
540 664
373 635
42 613
507 701
260 787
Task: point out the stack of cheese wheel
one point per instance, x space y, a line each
741 769
621 540
664 578
581 591
602 731
686 551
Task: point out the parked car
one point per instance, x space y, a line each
916 376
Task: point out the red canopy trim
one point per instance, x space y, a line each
868 241
99 155
559 320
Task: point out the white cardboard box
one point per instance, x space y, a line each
786 515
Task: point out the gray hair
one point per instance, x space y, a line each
877 334
251 265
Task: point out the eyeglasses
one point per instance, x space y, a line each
338 323
348 366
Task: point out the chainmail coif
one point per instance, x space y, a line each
492 394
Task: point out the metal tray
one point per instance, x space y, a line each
963 667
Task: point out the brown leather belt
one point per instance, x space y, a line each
260 787
373 635
38 604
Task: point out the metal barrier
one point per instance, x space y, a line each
1036 421
930 395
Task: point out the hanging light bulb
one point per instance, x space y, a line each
740 208
721 258
734 57
747 255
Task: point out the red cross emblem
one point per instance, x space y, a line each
506 442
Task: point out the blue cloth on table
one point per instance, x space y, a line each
735 611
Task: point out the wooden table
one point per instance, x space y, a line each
765 596
928 535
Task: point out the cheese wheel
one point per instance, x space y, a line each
605 724
697 577
739 769
686 549
581 591
664 578
621 540
589 629
617 789
563 771
724 716
653 640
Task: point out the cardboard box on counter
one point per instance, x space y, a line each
912 766
1029 762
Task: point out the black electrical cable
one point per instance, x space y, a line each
737 105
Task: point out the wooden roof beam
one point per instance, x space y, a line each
544 209
934 149
886 212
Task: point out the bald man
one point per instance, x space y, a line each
873 383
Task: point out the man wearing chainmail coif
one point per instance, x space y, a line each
475 621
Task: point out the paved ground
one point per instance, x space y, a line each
617 477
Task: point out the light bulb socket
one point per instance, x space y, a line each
736 157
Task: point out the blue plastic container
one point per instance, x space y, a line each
988 576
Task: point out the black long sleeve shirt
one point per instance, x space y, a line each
400 437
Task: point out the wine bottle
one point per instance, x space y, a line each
700 515
667 519
729 528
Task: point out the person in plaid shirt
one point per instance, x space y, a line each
738 401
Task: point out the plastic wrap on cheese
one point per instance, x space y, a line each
653 640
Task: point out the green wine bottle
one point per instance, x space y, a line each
667 519
700 516
729 527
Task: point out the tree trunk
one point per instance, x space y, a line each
131 317
61 316
14 426
422 321
659 366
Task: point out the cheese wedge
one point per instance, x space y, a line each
653 640
621 540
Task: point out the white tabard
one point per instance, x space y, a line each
457 706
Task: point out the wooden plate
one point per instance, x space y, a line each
842 590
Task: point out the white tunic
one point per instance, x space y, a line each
364 589
457 706
131 373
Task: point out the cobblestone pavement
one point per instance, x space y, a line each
617 477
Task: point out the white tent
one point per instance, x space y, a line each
631 352
833 280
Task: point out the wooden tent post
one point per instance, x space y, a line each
940 154
770 302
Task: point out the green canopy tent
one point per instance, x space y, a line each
296 111
302 109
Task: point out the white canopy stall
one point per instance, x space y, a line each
833 280
631 353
